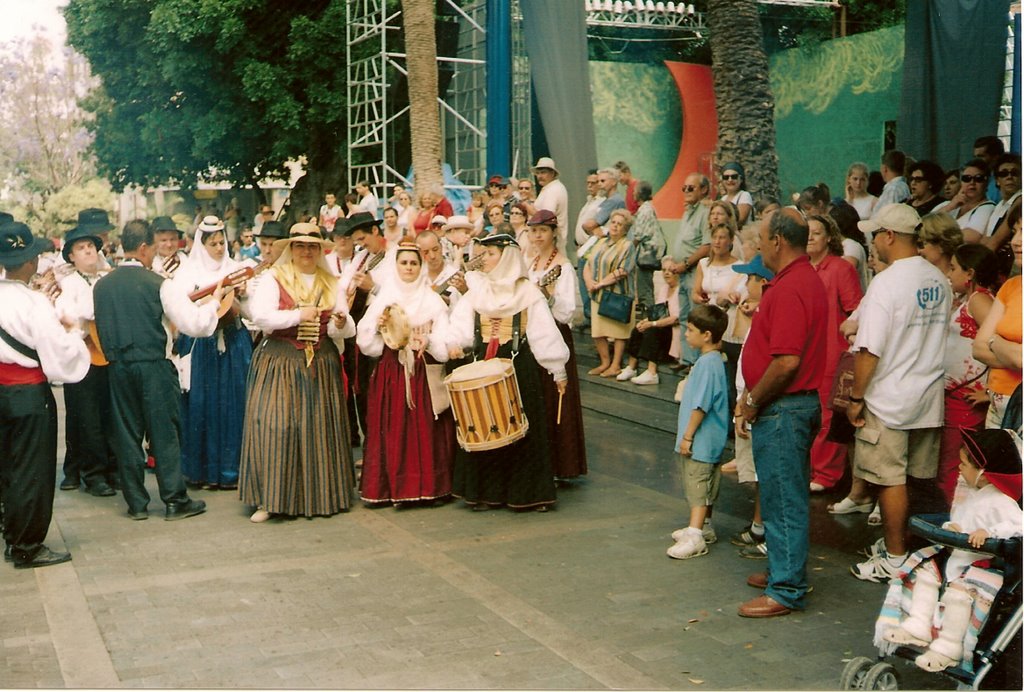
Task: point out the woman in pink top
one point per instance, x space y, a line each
842 287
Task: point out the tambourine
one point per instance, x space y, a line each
395 328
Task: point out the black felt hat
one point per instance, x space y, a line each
18 245
498 240
163 224
76 234
360 221
272 229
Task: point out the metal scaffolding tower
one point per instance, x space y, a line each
378 114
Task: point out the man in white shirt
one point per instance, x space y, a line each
894 162
367 200
329 212
897 398
167 239
585 239
553 197
443 275
35 349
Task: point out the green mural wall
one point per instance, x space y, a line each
831 105
636 118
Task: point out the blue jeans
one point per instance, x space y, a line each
781 437
584 294
689 354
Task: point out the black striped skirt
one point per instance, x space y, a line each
296 458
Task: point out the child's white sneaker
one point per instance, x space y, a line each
691 545
627 374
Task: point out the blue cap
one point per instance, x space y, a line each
755 267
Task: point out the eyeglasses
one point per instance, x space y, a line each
517 212
1007 172
525 188
731 176
973 178
917 179
689 188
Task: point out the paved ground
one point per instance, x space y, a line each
582 597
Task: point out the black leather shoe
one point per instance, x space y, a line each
100 489
138 516
183 510
70 483
44 557
7 554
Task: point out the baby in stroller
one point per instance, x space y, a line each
943 609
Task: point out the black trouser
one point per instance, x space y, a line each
145 401
348 364
28 464
364 368
88 455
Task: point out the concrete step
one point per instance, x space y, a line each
651 406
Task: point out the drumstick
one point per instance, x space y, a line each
558 420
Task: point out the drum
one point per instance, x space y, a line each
486 404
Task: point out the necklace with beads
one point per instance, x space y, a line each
551 259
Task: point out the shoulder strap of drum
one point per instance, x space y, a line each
478 339
21 348
516 331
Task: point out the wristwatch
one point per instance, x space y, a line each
749 401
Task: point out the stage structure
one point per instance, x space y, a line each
377 99
484 82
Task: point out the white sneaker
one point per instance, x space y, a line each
876 569
627 374
646 377
692 545
874 549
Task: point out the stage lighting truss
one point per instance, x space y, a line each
645 15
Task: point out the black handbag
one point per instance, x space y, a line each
616 306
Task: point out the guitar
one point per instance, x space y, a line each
357 299
232 280
550 277
471 265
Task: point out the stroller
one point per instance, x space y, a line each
997 655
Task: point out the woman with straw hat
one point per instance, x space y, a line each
295 455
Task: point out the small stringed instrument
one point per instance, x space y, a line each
471 265
357 300
550 277
232 280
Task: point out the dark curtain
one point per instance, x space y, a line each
556 43
953 68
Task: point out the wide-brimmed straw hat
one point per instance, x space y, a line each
303 233
544 162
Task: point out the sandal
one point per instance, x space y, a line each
875 518
848 506
598 370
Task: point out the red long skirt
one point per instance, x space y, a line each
408 453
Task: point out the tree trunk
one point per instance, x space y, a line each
424 118
743 93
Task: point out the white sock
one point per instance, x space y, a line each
896 560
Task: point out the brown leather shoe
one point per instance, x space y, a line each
759 580
763 607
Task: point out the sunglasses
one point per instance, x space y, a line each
973 178
525 189
516 212
1007 172
689 188
917 179
731 176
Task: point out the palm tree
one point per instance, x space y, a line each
424 118
743 94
